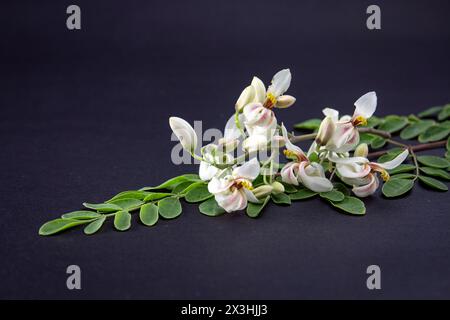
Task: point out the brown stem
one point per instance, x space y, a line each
416 148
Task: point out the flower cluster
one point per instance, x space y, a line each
237 180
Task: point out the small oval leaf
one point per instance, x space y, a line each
102 207
254 209
211 208
393 123
94 226
156 196
169 208
58 225
122 220
433 183
350 205
127 204
197 194
433 161
81 215
434 133
311 124
140 195
333 195
149 214
281 198
397 187
301 194
435 172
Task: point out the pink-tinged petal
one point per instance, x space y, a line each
249 170
207 171
332 113
313 178
366 105
289 173
250 196
231 201
389 165
368 189
344 139
353 170
254 143
289 145
217 185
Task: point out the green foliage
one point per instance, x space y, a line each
397 187
311 124
254 209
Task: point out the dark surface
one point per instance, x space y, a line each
84 115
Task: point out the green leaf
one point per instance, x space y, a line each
301 194
254 209
430 112
94 226
365 137
333 195
149 214
445 113
433 161
122 220
314 157
197 194
397 187
156 196
171 183
311 124
414 129
402 168
403 176
448 144
58 225
373 121
211 208
342 188
378 142
127 204
390 155
102 207
350 205
433 183
289 188
140 195
179 188
169 208
281 198
393 123
434 133
81 215
439 173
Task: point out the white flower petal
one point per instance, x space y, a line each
254 143
289 145
349 160
368 189
231 131
250 196
249 170
284 101
389 165
289 173
207 171
353 170
332 113
232 201
247 96
366 105
317 183
184 132
217 185
260 90
280 82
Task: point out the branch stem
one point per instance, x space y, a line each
415 148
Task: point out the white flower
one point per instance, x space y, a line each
233 191
360 172
184 132
301 170
346 135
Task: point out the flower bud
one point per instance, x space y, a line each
361 150
262 191
284 101
245 98
326 131
277 187
184 132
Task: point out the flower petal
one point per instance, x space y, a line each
247 96
232 201
348 160
250 196
332 113
280 82
317 183
284 101
260 90
389 165
207 171
353 170
289 173
368 189
231 131
249 170
217 185
366 105
184 132
288 144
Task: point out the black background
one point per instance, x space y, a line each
84 115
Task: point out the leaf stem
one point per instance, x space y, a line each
311 136
414 148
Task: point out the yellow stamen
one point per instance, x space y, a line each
384 175
245 184
271 100
360 121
